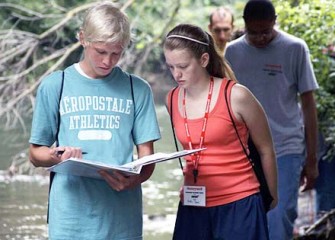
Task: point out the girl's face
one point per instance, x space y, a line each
185 68
100 58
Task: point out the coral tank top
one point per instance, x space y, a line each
223 167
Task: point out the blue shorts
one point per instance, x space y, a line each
244 219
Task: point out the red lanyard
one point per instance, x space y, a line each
196 157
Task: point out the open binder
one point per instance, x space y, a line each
86 168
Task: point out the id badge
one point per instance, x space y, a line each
195 196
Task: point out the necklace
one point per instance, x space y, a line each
196 157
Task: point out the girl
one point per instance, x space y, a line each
220 196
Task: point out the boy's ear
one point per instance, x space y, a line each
81 39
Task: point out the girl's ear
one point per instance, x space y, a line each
204 60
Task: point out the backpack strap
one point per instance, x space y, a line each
233 122
58 115
172 126
132 90
52 174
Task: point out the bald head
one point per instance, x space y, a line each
221 13
221 24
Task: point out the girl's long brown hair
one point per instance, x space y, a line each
217 66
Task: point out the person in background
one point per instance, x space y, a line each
103 111
221 26
277 69
220 196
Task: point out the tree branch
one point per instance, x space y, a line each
28 91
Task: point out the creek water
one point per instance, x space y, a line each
23 199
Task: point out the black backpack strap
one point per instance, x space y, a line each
172 126
52 174
132 96
60 97
132 90
233 122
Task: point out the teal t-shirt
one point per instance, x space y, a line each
99 116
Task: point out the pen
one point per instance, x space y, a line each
61 152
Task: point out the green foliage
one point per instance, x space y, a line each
33 16
151 21
314 21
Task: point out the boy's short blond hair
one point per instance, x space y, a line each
106 23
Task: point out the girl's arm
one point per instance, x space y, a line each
248 109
